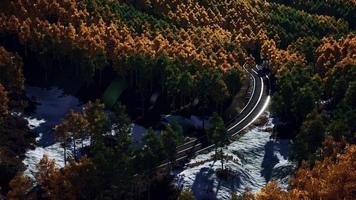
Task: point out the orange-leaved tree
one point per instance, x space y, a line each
332 178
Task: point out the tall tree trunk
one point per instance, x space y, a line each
65 154
143 105
74 151
181 101
222 160
100 77
173 105
216 153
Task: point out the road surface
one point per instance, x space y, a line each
256 105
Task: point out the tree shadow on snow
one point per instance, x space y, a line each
51 105
203 186
272 148
204 183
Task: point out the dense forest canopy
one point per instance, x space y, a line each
191 53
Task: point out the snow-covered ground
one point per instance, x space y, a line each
254 158
52 106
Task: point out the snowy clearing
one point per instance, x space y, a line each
254 160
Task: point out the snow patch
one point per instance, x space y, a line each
137 133
52 106
254 159
34 122
54 151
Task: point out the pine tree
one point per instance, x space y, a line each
97 118
77 128
152 149
217 134
63 136
310 137
170 141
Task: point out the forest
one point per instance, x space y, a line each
130 62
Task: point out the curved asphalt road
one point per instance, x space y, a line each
256 105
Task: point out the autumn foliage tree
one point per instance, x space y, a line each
288 24
11 76
48 180
15 138
329 179
339 8
90 125
334 54
20 188
332 178
71 182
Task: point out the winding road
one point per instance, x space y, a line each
256 105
